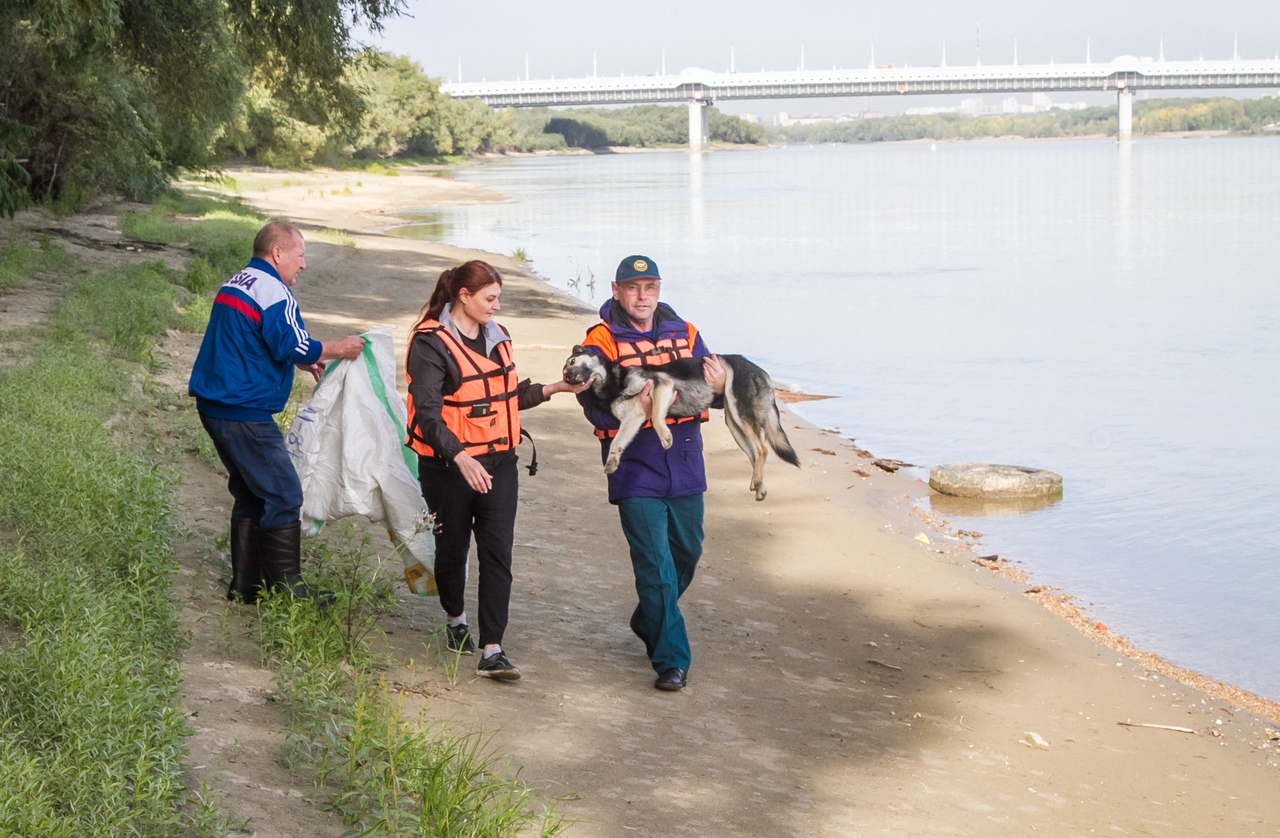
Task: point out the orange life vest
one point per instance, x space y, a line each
644 353
483 412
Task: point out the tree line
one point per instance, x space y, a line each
121 95
1152 116
639 126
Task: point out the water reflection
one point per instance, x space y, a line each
989 507
695 195
1124 204
424 225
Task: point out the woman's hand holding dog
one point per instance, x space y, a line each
549 390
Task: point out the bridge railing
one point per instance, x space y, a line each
1127 72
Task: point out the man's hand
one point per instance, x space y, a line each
713 372
316 370
349 348
646 398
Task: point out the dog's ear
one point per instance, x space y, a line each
577 350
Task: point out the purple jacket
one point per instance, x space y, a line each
647 470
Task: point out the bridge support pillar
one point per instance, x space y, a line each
1124 110
698 136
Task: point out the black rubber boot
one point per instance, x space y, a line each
246 569
280 550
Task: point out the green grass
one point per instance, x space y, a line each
90 730
333 237
224 238
197 202
371 167
125 309
219 230
295 633
389 166
520 254
150 227
20 260
381 775
387 778
90 726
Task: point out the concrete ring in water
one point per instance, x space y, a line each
987 480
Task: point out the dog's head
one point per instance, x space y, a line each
582 366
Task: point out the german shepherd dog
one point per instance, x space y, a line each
749 407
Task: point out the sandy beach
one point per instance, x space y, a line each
858 669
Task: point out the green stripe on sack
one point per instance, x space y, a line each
375 379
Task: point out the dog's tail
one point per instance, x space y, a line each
753 387
777 438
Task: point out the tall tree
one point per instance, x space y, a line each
118 94
301 49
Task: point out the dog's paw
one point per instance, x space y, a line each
664 435
760 490
611 465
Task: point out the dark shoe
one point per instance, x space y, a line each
280 551
672 679
498 667
246 568
458 639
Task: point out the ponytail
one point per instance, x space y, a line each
472 276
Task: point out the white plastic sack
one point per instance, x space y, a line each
347 445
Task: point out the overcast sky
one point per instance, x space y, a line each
562 37
565 38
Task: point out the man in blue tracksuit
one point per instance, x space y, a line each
658 491
244 374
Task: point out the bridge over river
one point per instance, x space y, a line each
700 88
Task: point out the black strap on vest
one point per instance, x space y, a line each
533 461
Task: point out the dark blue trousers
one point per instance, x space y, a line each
263 483
665 535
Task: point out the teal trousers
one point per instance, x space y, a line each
665 535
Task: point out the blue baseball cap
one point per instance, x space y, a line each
636 267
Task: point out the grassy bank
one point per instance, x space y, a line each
91 732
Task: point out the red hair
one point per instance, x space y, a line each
472 276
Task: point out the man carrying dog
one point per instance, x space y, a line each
244 374
658 491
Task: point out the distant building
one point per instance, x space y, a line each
784 119
975 107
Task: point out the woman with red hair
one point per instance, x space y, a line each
464 423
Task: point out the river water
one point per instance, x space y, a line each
1111 313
